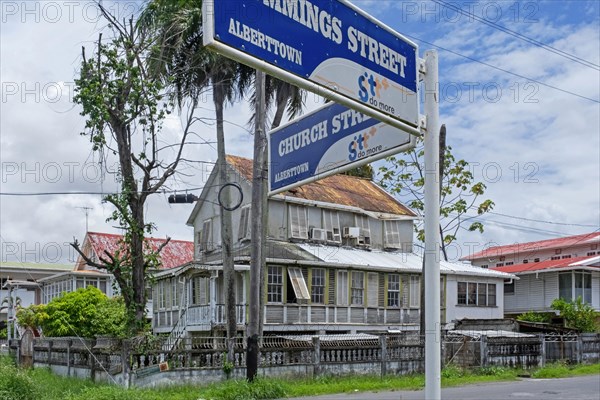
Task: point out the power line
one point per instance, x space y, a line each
518 35
504 70
541 221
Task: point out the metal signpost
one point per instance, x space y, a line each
336 50
327 141
329 47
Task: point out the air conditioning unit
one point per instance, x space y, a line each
318 235
334 236
364 238
351 232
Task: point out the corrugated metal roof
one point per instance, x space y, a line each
528 247
337 189
34 266
175 253
404 262
476 334
549 264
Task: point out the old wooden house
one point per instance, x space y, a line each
339 260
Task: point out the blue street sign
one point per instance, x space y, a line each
327 46
329 140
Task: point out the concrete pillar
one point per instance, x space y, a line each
483 351
384 355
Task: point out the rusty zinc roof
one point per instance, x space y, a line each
337 189
174 254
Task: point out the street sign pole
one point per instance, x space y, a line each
432 222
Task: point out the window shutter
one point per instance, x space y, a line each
392 234
372 289
207 243
298 222
243 229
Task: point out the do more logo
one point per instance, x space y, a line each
370 89
359 146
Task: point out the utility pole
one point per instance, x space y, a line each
257 237
432 236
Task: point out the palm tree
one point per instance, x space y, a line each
179 55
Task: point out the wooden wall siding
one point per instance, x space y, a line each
318 314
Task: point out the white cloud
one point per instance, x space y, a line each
548 151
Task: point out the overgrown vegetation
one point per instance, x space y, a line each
532 316
577 314
87 312
41 384
15 384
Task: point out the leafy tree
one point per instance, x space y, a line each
87 312
125 107
404 176
577 314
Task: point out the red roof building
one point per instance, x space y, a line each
567 268
174 254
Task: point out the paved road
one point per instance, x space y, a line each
578 388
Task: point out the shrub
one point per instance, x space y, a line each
85 312
577 314
532 316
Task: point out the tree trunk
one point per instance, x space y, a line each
138 273
226 225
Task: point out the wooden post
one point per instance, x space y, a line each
257 232
483 351
542 349
384 355
579 349
316 356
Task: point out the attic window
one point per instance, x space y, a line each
557 251
391 234
502 258
331 224
298 222
244 227
207 243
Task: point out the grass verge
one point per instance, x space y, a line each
41 384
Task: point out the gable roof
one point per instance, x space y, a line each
337 189
175 253
566 263
528 247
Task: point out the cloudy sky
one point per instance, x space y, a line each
520 98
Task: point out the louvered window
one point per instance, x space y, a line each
298 283
199 291
372 289
244 227
415 291
342 288
392 234
298 222
331 223
207 241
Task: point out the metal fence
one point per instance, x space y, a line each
130 362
